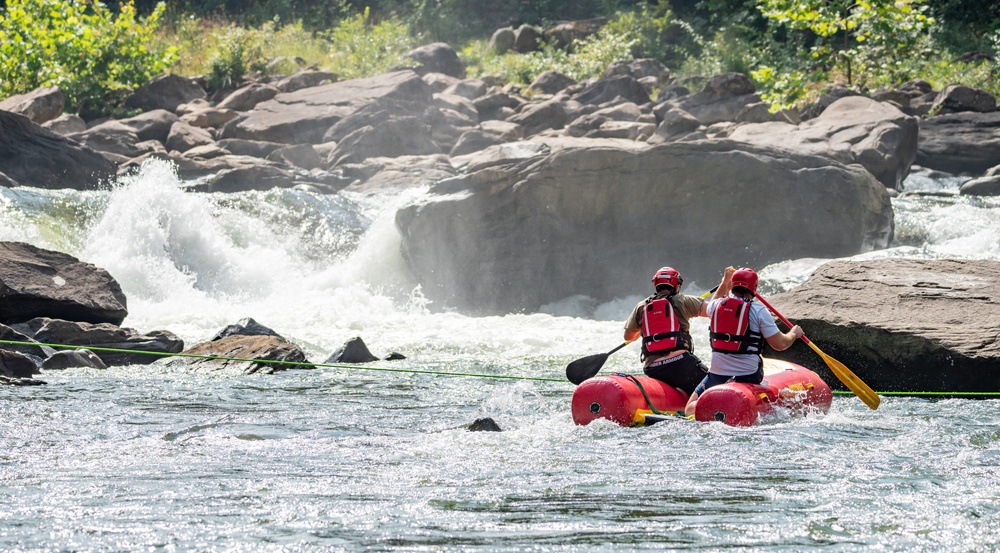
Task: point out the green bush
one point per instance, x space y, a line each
96 57
585 59
239 51
361 48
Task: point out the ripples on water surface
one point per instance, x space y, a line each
149 458
153 458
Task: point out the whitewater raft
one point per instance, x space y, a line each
639 400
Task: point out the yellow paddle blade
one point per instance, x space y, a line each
853 383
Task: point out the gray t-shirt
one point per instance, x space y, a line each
737 364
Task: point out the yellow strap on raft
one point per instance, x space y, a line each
639 418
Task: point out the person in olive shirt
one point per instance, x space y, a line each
662 320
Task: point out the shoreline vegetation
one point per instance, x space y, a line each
792 49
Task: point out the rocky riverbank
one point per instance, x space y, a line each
591 179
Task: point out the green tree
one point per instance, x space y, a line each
95 56
858 35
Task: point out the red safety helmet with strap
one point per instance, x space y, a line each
667 276
745 278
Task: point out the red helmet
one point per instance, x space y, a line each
746 278
667 276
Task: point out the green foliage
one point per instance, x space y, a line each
361 48
238 52
658 34
585 59
213 48
95 56
728 52
860 37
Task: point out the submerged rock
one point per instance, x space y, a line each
485 425
246 354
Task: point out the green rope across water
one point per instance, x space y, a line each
980 395
279 362
927 394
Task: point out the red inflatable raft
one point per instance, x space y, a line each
639 400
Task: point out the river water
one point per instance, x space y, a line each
161 458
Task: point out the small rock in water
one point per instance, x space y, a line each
395 356
354 351
485 425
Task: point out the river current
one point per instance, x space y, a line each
157 458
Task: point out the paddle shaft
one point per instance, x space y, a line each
618 348
779 315
839 370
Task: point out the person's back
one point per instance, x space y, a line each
662 321
738 329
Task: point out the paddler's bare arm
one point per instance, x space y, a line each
784 340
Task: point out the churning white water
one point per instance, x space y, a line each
157 458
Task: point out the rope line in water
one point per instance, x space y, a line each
280 362
925 394
438 373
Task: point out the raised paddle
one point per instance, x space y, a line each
853 383
587 367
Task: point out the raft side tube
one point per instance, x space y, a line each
785 384
619 398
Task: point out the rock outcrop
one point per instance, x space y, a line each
34 156
960 143
43 283
853 129
595 217
901 325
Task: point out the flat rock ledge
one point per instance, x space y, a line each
902 325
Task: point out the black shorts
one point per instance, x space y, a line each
716 379
684 371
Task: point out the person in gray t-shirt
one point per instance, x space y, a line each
738 328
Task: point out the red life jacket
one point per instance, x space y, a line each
729 328
661 329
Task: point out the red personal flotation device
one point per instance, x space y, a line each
661 329
729 329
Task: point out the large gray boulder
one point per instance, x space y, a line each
901 325
42 283
40 105
853 129
165 91
438 57
597 217
721 99
34 156
304 116
960 143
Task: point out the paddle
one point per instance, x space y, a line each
587 367
853 383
